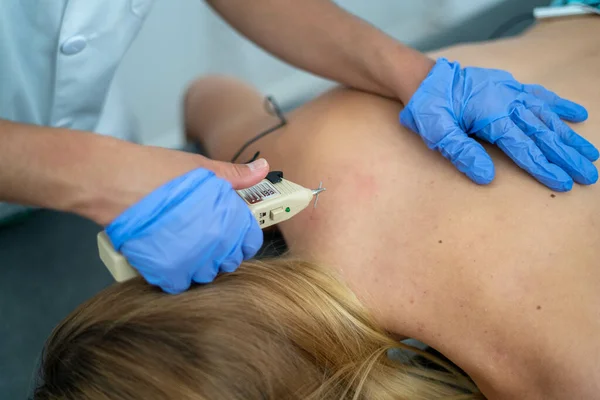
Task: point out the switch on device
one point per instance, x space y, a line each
276 213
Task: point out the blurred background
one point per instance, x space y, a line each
182 39
49 260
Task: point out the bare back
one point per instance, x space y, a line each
503 279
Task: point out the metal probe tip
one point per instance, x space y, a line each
316 193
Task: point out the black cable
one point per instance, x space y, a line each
272 108
511 23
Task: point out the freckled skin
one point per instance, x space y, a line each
495 277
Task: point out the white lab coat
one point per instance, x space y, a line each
58 60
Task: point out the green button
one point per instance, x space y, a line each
287 209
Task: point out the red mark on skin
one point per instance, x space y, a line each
314 215
363 186
412 300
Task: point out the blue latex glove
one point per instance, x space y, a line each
523 120
187 230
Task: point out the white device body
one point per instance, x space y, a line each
270 203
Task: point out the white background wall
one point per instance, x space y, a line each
184 38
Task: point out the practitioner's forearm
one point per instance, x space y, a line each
321 37
91 175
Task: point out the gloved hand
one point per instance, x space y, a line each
589 3
187 230
523 120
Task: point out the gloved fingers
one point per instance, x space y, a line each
247 248
566 109
577 166
232 261
564 131
524 152
229 264
205 274
253 239
408 119
468 156
243 236
176 283
224 256
556 151
156 267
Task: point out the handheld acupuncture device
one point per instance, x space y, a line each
271 201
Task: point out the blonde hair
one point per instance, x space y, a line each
279 329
